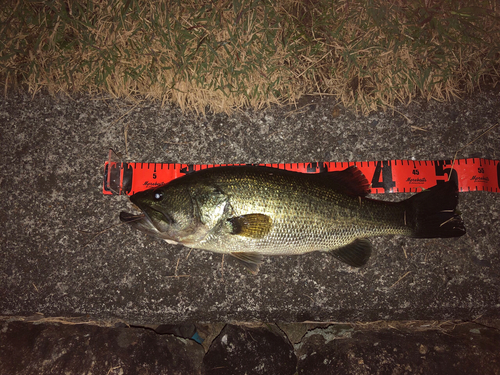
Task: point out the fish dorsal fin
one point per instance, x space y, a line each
350 181
251 261
355 254
251 225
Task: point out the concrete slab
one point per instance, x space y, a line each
456 349
424 347
87 349
64 253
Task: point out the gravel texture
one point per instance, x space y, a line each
64 255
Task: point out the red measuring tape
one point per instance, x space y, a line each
392 176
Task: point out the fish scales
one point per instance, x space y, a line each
306 215
251 211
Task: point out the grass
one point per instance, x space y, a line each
225 55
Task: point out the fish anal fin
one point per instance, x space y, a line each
355 254
251 261
251 225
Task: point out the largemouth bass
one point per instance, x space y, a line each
249 212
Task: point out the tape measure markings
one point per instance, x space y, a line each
403 176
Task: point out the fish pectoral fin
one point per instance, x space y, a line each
251 225
251 261
355 254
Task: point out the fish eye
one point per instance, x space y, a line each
158 195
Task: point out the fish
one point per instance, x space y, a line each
251 211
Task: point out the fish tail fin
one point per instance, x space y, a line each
432 213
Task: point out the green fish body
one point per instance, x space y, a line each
250 212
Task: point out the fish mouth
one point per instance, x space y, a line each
126 217
140 221
148 221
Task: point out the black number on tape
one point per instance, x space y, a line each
498 174
187 170
441 171
384 170
316 167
